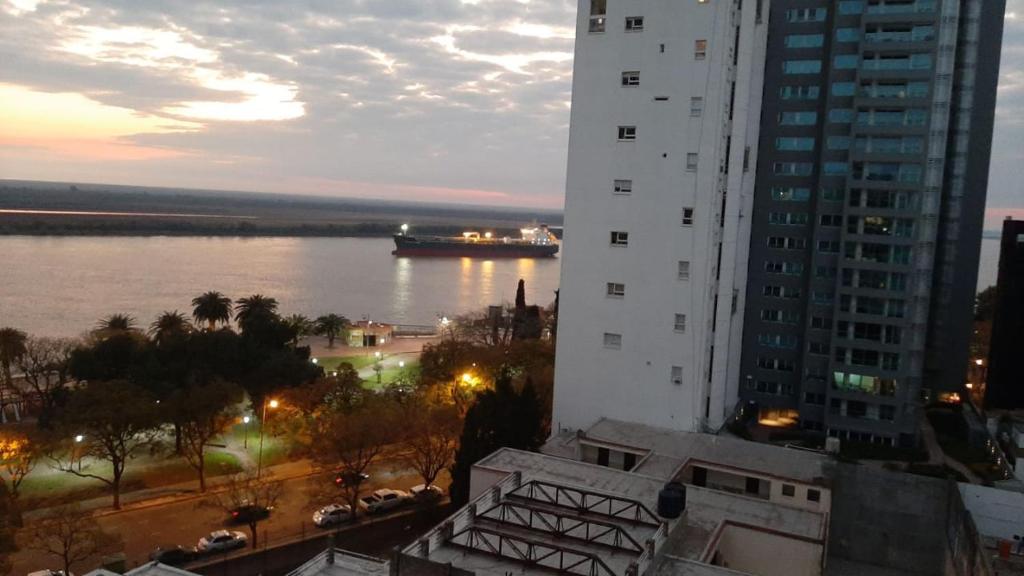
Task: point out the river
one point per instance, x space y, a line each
61 286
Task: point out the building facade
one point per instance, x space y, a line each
871 178
1004 387
662 144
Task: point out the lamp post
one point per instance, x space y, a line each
245 438
263 419
78 440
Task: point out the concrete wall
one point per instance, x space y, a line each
770 487
765 554
480 479
634 382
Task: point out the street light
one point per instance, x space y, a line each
263 419
315 360
74 451
979 362
401 363
245 438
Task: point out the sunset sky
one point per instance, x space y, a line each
430 100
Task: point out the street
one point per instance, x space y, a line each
184 522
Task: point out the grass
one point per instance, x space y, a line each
358 362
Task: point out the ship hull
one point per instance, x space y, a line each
410 246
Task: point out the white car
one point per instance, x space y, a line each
332 514
424 493
383 500
221 540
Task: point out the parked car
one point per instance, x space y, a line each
221 541
173 555
344 479
332 514
383 500
424 493
48 572
249 513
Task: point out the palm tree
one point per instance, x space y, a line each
330 325
116 323
12 347
168 326
255 306
211 307
300 325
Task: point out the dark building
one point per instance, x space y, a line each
1005 387
866 230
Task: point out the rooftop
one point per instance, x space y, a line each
337 562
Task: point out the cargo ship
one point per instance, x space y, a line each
535 242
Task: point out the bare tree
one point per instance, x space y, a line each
19 455
71 535
432 435
46 368
204 413
112 422
248 489
349 441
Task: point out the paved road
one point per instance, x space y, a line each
184 522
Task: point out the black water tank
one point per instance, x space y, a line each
672 500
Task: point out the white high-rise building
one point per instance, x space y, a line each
662 147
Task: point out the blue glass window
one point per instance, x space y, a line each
806 14
843 88
793 168
789 194
808 92
801 66
851 7
846 61
800 144
836 168
840 115
803 118
805 40
847 35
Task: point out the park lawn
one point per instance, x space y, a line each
390 374
357 361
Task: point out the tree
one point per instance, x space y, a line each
115 323
116 420
500 418
211 307
254 308
349 441
10 521
985 304
246 489
432 434
169 327
203 413
46 368
71 535
19 455
300 325
12 347
330 325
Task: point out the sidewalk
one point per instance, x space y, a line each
162 495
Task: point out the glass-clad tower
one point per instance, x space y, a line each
874 149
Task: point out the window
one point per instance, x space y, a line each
677 374
620 238
790 194
804 40
623 187
828 246
813 495
817 348
805 92
832 194
684 270
802 118
838 143
835 168
680 323
788 490
853 7
847 35
796 144
806 14
700 49
831 219
612 340
846 61
631 78
687 216
616 290
627 133
801 66
634 23
793 168
787 243
691 161
842 89
821 323
840 115
696 106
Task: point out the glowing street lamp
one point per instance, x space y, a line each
315 361
979 362
259 456
405 228
245 438
401 363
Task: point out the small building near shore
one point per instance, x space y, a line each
367 333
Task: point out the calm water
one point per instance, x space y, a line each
60 286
